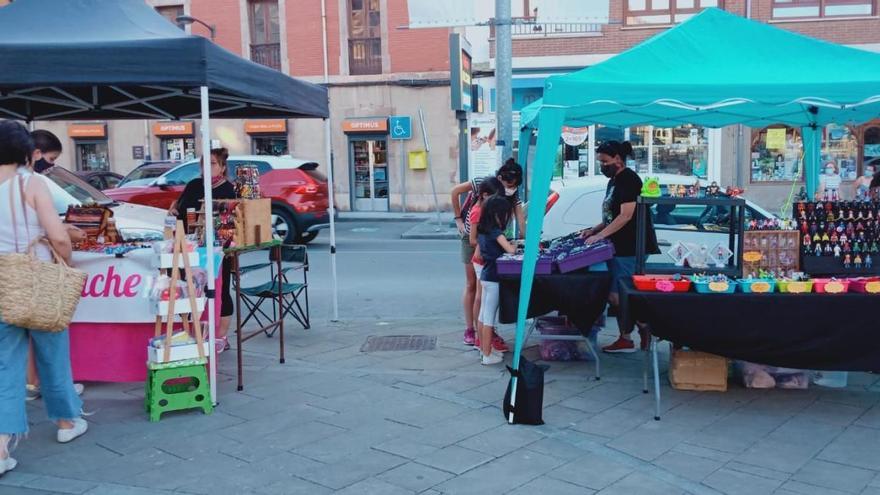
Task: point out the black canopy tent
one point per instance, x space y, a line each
120 59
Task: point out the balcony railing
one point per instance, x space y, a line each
268 54
365 56
527 26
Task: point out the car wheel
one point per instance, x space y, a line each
283 226
308 237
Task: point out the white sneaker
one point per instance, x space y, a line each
7 464
79 387
33 392
80 426
492 358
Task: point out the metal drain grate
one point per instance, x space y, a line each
400 343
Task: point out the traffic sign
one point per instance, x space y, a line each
400 127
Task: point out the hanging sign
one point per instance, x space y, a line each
776 139
482 151
574 136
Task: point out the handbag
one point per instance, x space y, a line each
36 294
525 404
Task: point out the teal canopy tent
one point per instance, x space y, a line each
714 70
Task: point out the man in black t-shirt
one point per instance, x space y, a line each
619 226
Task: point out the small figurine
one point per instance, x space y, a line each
807 240
857 262
837 251
846 248
874 247
834 238
825 237
843 238
868 261
829 217
802 195
828 249
850 216
847 261
682 192
818 249
857 247
713 189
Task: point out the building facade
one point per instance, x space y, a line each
766 162
376 69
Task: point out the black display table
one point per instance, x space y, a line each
580 295
804 331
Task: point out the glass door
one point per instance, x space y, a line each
369 160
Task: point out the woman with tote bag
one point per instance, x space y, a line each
27 215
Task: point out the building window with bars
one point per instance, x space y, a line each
364 37
651 12
265 33
812 9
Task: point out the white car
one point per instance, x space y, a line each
579 206
132 221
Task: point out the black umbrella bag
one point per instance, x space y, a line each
529 403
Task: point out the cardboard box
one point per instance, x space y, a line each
700 371
254 221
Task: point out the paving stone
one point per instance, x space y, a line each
703 452
871 490
373 432
829 412
60 485
293 486
557 447
871 418
757 470
415 477
502 439
641 484
779 456
613 423
115 489
406 448
687 466
836 476
374 486
502 474
551 486
807 489
455 459
856 446
650 440
732 482
591 471
350 470
17 490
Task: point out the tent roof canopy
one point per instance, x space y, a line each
120 59
719 69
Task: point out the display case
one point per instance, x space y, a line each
733 209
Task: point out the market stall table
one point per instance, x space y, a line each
114 320
802 331
580 295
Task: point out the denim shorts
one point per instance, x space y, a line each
620 267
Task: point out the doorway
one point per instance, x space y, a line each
369 173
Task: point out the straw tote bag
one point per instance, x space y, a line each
36 294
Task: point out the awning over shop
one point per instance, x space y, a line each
714 70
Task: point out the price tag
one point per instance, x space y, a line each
761 287
872 287
798 287
752 256
719 286
664 286
835 288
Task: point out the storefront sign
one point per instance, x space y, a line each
371 125
80 131
460 73
574 136
776 139
483 154
265 126
173 129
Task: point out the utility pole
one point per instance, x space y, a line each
503 76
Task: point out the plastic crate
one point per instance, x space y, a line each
866 285
585 256
830 286
795 287
660 283
757 285
705 286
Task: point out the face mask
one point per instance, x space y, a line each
608 170
42 165
217 180
509 191
829 171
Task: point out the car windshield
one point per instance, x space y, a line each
142 176
68 189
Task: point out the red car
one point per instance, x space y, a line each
298 191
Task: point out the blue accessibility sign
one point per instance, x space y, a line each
400 127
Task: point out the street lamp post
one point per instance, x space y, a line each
188 19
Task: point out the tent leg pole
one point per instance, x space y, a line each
209 237
330 195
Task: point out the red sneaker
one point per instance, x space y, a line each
499 344
621 345
469 336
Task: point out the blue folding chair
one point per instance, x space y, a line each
294 288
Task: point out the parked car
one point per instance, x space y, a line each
147 172
100 179
297 188
576 204
132 221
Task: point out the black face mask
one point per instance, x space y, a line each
608 170
42 165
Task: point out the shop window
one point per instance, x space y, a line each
646 12
270 145
871 150
364 37
640 139
839 145
93 155
172 12
805 9
777 154
265 33
680 150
